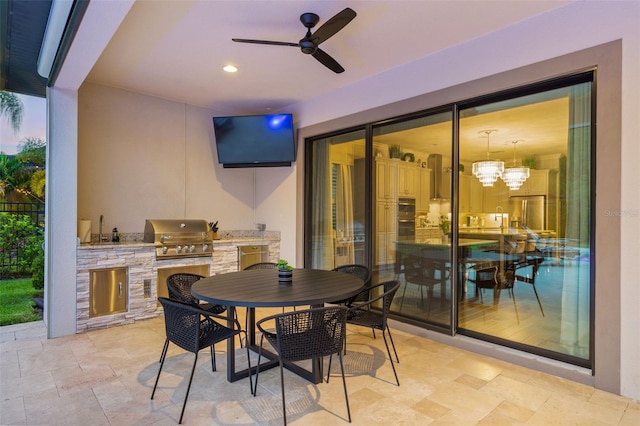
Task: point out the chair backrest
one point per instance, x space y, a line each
389 289
261 265
182 323
310 333
422 270
486 277
179 287
360 271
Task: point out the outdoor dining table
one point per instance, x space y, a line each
260 288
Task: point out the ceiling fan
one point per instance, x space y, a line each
309 44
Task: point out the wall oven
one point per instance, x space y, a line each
406 219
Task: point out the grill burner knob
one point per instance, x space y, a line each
164 250
205 247
192 249
178 249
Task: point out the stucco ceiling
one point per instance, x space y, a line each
176 49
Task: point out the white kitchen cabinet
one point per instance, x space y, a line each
476 191
407 180
464 200
386 179
385 232
496 196
423 191
536 184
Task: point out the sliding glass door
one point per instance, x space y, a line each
337 199
412 214
482 210
527 280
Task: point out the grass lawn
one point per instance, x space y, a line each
16 301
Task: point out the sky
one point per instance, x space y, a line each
34 124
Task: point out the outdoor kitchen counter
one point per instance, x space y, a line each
108 245
139 258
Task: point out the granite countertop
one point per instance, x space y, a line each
229 237
463 242
108 245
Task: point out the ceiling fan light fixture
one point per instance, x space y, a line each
230 68
488 171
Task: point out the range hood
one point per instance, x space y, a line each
440 178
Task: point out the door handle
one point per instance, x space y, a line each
119 288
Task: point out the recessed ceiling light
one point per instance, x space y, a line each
230 68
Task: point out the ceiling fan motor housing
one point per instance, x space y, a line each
309 20
307 46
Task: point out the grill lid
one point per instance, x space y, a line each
176 238
162 230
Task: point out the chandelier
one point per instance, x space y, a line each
514 176
488 171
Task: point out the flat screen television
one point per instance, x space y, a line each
255 140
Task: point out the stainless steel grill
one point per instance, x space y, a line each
175 238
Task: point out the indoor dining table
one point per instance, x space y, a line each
260 288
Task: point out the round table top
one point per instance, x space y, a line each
261 288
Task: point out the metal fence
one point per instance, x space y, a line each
34 210
10 260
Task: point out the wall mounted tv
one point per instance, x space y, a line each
255 140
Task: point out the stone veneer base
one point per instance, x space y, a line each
142 265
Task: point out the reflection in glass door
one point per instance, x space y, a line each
522 274
412 187
337 225
526 277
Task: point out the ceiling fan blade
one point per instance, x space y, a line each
273 43
333 25
327 61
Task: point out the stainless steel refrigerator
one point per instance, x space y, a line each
528 212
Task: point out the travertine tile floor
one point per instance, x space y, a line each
105 377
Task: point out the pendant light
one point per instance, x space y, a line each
488 171
514 176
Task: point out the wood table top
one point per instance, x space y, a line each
261 288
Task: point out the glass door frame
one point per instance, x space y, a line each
585 75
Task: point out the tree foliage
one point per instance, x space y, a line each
32 152
21 250
22 178
11 107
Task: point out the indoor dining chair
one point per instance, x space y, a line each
302 335
193 329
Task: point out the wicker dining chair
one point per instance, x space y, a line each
366 315
193 329
302 335
362 272
261 265
179 288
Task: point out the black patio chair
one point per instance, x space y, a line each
362 272
366 315
193 329
179 288
261 265
302 335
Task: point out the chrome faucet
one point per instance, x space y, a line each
501 216
100 230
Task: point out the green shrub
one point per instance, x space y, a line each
21 252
